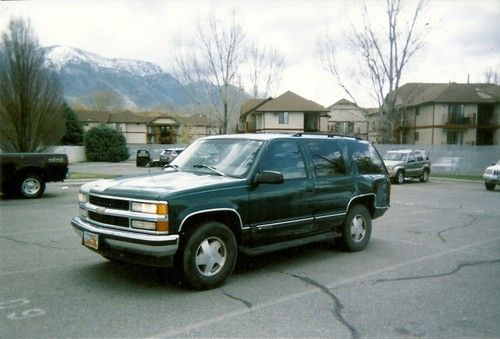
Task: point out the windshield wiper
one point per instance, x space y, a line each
172 166
213 169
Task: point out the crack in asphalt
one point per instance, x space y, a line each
470 223
337 305
455 270
245 302
17 241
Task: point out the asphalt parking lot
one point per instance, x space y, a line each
431 269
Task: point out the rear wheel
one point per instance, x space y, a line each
31 186
489 186
357 229
399 178
425 176
209 256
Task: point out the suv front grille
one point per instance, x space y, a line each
109 203
109 219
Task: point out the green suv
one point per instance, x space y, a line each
224 195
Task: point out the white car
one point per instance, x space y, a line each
492 176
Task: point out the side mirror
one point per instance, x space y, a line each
269 177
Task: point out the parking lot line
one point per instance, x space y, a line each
244 311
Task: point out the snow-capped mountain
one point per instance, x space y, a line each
61 56
138 84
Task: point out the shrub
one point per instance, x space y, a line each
103 143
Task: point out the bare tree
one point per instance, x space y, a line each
265 69
106 100
491 77
214 57
383 57
31 103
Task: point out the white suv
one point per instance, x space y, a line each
492 176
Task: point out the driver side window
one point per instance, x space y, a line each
285 157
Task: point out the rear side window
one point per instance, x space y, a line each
327 158
365 157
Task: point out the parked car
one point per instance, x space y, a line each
145 158
492 176
252 193
169 154
27 173
405 163
142 158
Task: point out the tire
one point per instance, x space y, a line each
399 178
208 256
489 186
31 186
357 229
425 176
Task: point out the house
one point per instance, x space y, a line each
287 113
195 126
444 114
346 117
148 128
373 119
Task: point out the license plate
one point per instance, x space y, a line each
91 240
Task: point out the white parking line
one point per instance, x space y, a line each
176 332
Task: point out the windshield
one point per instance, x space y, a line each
231 157
394 156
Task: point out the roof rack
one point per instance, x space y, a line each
329 135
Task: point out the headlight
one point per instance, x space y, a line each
83 198
149 208
160 226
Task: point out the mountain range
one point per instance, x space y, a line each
136 84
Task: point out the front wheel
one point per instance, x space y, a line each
489 186
357 229
31 186
209 256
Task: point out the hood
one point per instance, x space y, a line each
393 162
495 167
156 186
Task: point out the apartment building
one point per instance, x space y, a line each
449 114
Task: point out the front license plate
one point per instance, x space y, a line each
91 240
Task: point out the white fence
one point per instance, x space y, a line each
74 153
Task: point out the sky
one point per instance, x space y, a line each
462 41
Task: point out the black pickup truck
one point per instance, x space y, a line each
27 173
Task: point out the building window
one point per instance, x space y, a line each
283 118
417 136
341 127
455 114
455 138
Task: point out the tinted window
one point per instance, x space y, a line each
365 157
284 156
327 158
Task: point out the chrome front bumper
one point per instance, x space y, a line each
135 243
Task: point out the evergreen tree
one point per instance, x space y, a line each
74 130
